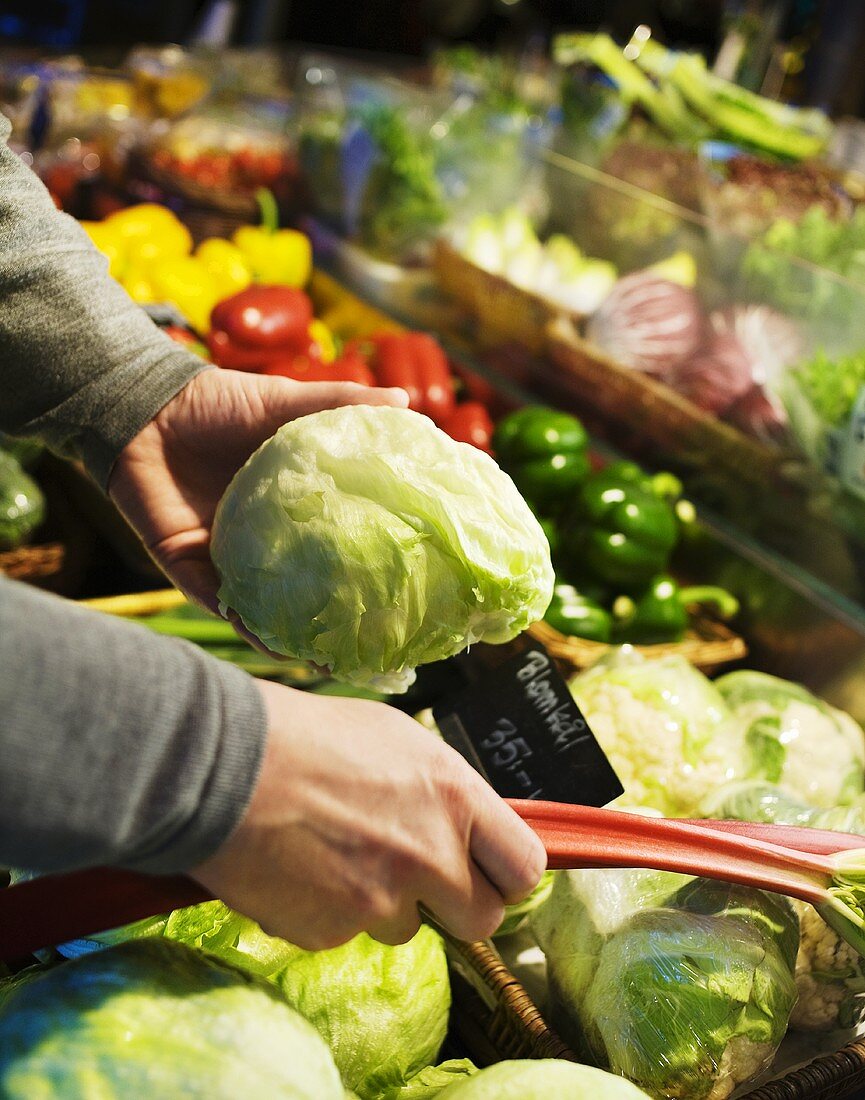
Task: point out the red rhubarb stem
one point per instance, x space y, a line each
820 842
582 836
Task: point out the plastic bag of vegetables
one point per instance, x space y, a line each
796 740
665 728
830 974
153 1018
366 540
382 1010
684 986
22 505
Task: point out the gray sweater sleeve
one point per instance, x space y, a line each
116 745
81 365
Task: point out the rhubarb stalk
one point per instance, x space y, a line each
582 836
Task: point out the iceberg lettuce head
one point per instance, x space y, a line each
154 1018
366 540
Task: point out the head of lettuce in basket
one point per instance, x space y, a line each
366 540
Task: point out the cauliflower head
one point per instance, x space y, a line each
801 743
665 728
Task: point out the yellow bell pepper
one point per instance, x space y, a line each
186 283
323 338
139 285
109 244
275 256
149 232
225 264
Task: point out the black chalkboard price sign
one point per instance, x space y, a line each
518 724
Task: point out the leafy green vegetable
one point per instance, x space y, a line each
831 385
366 540
22 505
382 1010
811 749
431 1081
691 104
662 103
542 1079
685 986
515 915
402 201
827 294
153 1018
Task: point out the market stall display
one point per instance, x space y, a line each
657 291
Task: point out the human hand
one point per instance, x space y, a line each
359 816
169 479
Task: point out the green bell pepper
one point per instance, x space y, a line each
623 534
660 613
579 614
664 485
544 451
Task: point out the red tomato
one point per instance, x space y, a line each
470 423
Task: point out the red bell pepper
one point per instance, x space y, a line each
415 362
470 423
349 367
251 329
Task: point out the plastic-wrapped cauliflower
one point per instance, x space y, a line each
795 739
666 729
830 974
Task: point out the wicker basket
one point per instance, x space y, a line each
494 1018
504 312
707 645
655 412
206 211
33 563
836 1076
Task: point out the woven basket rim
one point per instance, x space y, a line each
708 643
27 562
446 257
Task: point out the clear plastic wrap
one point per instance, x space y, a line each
811 749
830 975
390 163
684 986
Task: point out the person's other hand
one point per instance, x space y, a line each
359 816
168 480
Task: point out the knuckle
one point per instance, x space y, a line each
481 924
374 905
